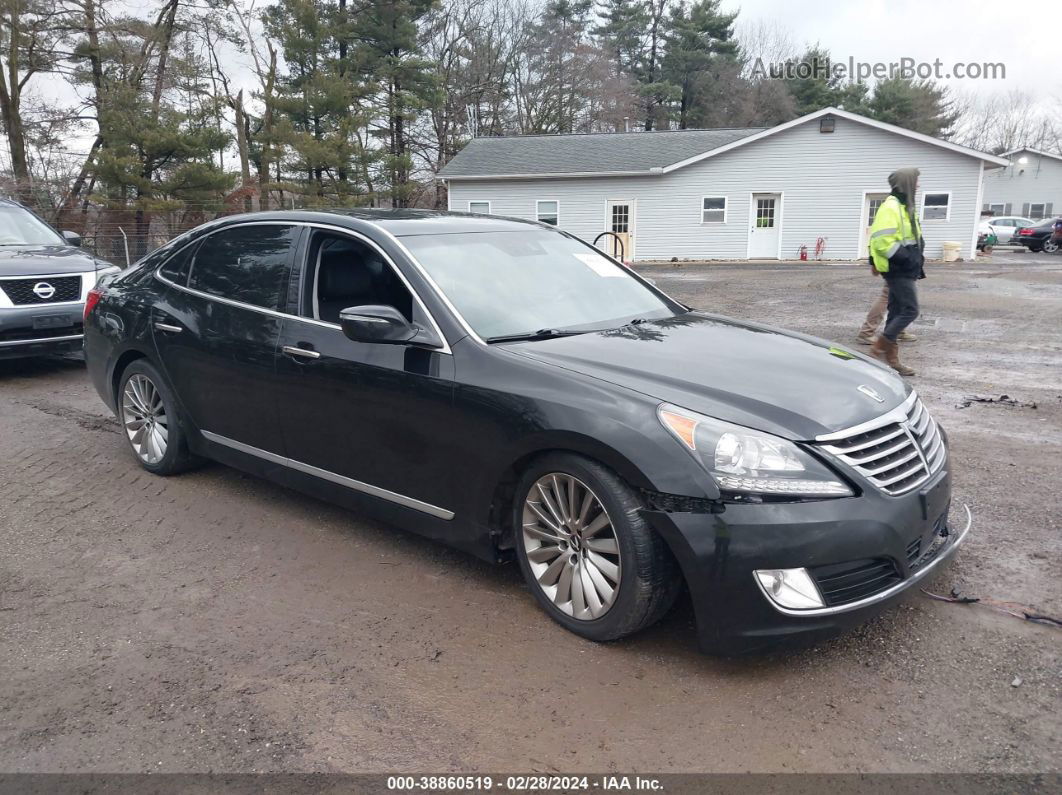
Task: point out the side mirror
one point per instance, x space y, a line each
73 238
383 325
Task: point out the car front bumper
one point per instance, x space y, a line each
718 554
41 329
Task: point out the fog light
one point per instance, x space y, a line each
791 588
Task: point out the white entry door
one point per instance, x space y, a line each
871 204
766 220
619 220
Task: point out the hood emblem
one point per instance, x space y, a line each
870 393
43 290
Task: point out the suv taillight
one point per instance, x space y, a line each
92 299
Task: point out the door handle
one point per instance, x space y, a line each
167 327
305 353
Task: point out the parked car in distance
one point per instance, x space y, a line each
505 387
1004 226
1038 237
44 279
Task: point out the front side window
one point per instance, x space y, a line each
547 212
713 210
245 263
20 227
347 272
483 208
506 283
935 206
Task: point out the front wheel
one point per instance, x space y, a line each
148 412
587 554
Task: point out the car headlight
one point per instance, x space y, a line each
747 461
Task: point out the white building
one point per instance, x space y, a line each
758 193
1031 186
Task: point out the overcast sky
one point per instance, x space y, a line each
1025 36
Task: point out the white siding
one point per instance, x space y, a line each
1038 180
823 177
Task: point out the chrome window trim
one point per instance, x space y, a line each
888 592
324 474
70 338
285 315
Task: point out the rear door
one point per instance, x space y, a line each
217 328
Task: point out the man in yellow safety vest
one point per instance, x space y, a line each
896 254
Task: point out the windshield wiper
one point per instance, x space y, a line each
541 334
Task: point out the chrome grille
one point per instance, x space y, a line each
897 452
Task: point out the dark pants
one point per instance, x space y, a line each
903 306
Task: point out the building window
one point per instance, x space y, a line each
936 206
547 211
479 207
713 210
997 209
1037 210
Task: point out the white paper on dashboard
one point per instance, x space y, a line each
600 266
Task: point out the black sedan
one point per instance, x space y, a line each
1041 237
506 388
44 279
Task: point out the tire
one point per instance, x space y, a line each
1050 247
151 422
648 576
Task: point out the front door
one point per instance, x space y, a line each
217 328
366 416
871 204
619 220
766 212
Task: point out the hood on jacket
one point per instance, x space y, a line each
904 181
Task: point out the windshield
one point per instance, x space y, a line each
523 282
19 227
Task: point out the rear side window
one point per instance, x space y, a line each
246 263
176 268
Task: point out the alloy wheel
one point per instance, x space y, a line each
571 546
144 418
1050 247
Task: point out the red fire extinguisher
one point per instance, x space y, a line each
804 252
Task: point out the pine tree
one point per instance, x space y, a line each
918 105
699 38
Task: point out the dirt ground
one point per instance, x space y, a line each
215 622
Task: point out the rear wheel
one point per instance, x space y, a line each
587 554
1050 246
149 417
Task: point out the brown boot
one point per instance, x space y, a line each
892 358
889 352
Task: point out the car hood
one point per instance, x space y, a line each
761 377
46 260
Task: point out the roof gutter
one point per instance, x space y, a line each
652 172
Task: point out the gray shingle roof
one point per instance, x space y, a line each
599 153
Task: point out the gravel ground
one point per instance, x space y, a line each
215 622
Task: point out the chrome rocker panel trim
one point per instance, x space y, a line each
884 595
324 474
39 340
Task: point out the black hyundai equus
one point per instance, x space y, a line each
504 387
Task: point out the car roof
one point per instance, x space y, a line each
400 223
